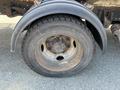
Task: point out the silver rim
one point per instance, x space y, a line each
58 52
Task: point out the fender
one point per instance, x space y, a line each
59 7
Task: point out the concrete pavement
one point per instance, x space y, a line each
103 73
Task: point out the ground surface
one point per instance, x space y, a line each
103 73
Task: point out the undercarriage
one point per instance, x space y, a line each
15 7
19 7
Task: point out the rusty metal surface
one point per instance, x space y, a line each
5 7
15 7
105 3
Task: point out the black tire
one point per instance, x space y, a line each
55 25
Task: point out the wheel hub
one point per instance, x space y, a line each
59 52
58 44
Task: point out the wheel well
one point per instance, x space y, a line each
95 34
92 29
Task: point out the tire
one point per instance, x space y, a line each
58 46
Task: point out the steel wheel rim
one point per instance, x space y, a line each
62 61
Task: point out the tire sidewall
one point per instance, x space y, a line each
79 32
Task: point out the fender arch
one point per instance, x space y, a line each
60 7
